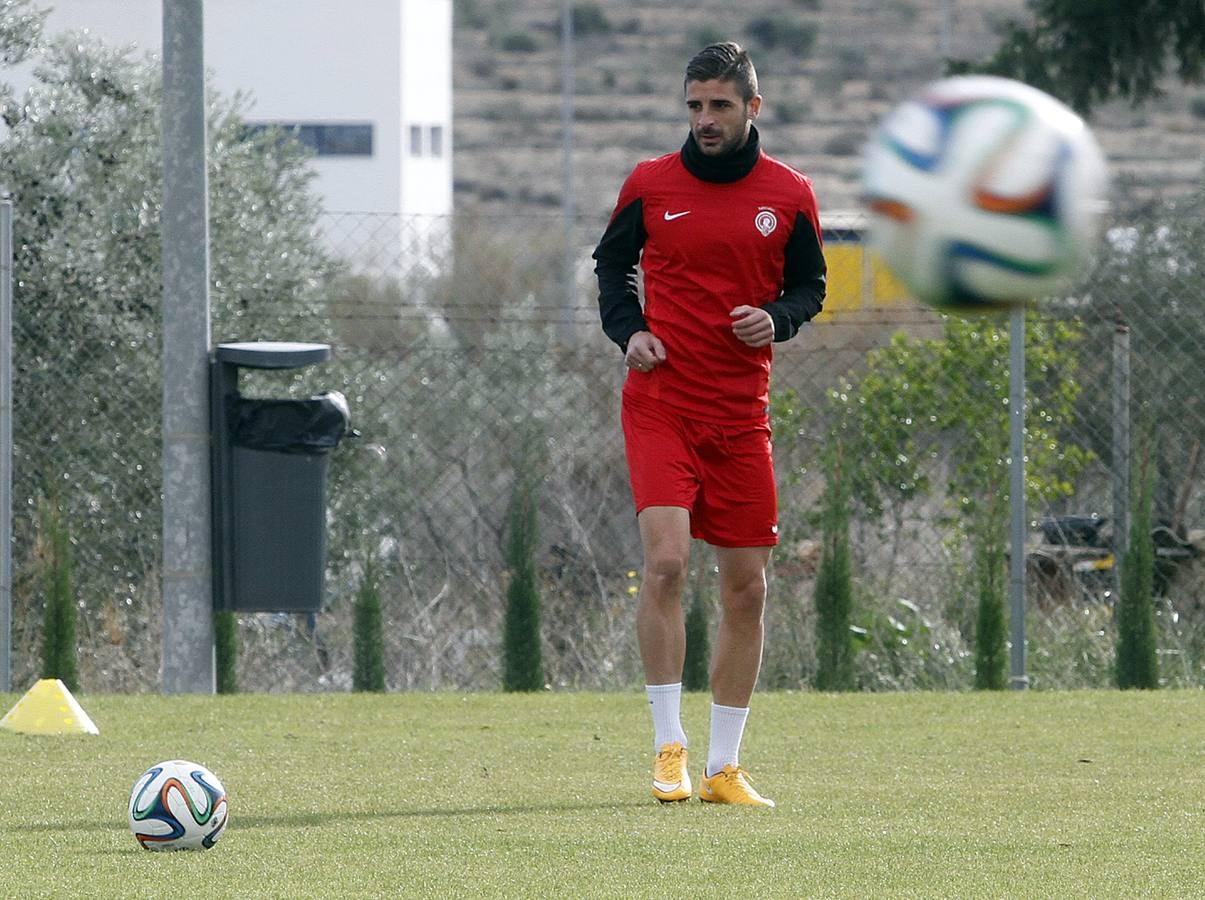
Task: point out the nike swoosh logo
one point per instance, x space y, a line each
665 787
669 216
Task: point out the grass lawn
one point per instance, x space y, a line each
1091 794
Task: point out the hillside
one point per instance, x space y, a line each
827 75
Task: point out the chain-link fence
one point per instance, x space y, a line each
459 351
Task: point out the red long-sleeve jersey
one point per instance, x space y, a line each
704 247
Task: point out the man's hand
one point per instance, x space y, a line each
645 352
752 325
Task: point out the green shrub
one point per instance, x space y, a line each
991 647
704 35
225 646
471 14
834 592
58 631
369 672
590 19
1137 661
523 668
518 42
695 669
795 36
791 112
845 143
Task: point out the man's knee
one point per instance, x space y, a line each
665 573
744 598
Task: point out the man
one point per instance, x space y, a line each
728 240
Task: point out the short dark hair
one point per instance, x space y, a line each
725 61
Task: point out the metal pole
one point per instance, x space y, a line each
945 33
568 87
188 644
1121 447
6 441
1016 557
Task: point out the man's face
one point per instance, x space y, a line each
719 117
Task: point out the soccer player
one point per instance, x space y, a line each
728 241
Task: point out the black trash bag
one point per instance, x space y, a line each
312 426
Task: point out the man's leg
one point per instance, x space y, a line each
735 663
661 633
736 659
660 626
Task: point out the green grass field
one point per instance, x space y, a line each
1092 794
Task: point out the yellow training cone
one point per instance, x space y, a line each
48 708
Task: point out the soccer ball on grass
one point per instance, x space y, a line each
983 193
178 805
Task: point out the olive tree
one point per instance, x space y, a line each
82 161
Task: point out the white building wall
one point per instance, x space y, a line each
384 62
325 63
426 132
426 105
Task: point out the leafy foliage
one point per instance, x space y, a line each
1137 662
523 669
834 589
369 641
590 19
225 649
1088 51
937 411
695 668
82 159
1150 279
990 629
58 630
21 26
791 34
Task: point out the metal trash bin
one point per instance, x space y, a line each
270 462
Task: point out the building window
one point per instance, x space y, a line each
323 139
416 140
436 143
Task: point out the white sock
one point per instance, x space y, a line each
666 703
727 727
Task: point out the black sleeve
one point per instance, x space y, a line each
617 255
803 281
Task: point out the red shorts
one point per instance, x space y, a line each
722 474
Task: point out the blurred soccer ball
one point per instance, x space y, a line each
983 192
178 805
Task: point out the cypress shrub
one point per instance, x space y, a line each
695 669
225 646
59 623
58 631
991 643
368 635
523 668
834 593
1137 663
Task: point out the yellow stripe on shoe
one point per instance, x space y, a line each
731 785
671 781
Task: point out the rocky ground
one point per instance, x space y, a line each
829 69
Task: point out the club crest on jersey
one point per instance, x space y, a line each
765 221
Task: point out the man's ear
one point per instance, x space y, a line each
754 108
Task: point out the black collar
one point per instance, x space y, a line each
723 169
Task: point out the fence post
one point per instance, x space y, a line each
1016 557
188 641
1121 447
569 254
6 441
